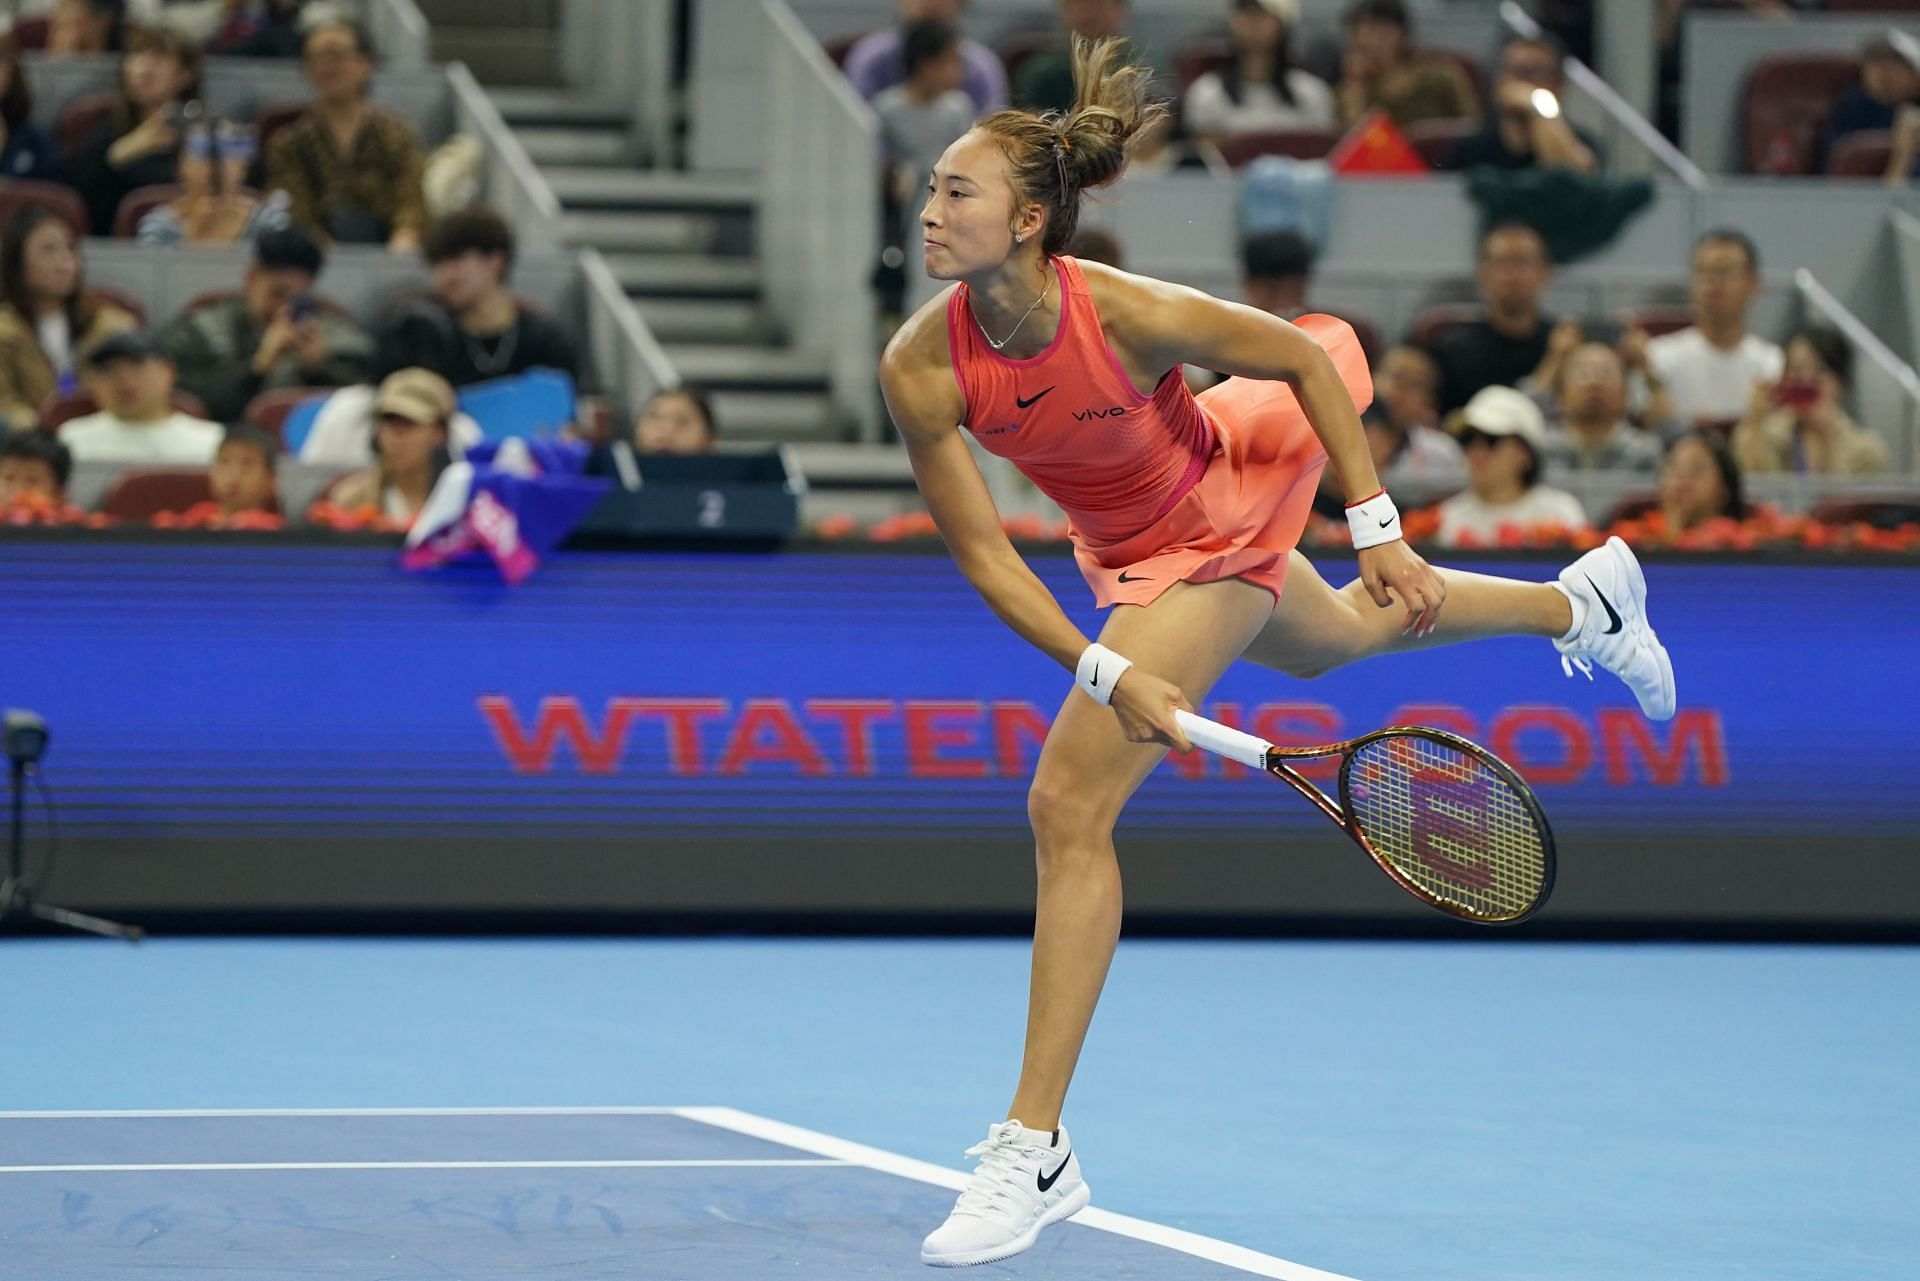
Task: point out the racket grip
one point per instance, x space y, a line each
1221 740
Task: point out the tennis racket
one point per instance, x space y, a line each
1449 821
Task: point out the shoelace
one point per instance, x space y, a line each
1568 663
1001 1181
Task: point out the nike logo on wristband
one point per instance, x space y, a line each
1386 522
1096 676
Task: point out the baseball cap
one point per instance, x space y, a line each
417 395
131 344
1502 411
1894 43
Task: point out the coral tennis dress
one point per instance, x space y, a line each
1157 489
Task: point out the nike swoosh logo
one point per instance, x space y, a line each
1386 522
1135 579
1028 404
1613 615
1096 684
1048 1180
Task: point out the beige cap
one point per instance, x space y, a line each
1502 411
417 395
1288 11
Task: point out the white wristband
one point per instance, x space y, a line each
1373 521
1099 668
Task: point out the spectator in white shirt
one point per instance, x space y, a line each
137 424
1703 375
1505 436
1262 89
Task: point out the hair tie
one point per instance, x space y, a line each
1060 148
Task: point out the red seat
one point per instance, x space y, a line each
268 411
1785 106
1883 510
1850 6
1301 144
840 46
80 118
144 494
65 202
121 299
1862 154
274 117
1201 56
30 31
1432 324
62 408
1435 139
1631 507
1661 318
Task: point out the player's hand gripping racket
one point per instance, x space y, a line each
1444 817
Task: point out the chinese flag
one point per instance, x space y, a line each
1375 145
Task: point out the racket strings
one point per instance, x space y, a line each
1450 824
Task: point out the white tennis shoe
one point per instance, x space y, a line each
1612 628
1027 1179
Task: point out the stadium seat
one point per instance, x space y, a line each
1883 510
30 31
268 411
1861 155
1431 324
145 493
62 408
1201 56
1661 318
121 299
80 118
1785 106
16 193
142 201
1631 507
1301 144
1873 6
1434 139
274 117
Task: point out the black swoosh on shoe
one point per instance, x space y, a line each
1046 1181
1613 615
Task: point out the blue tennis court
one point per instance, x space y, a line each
1378 1111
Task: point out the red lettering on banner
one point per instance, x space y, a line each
557 719
1229 714
1568 765
1301 725
683 717
768 734
856 717
926 737
1694 734
1016 726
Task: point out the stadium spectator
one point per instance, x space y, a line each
87 26
1379 69
34 465
243 477
472 329
1509 347
1527 129
257 29
1504 438
137 143
1798 425
877 62
1044 81
1276 268
1409 449
412 412
1703 375
48 319
919 118
1097 244
350 169
1263 87
214 206
1591 431
1889 80
1699 482
137 423
272 334
28 151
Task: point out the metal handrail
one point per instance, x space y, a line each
1618 109
1821 299
650 356
504 149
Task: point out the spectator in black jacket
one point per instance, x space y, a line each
28 151
137 145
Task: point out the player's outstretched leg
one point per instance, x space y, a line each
1595 613
1028 1176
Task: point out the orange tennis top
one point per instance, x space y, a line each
1072 421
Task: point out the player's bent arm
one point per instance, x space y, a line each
1170 325
962 508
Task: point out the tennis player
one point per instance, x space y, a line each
1184 514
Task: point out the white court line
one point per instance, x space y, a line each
836 1150
403 1165
1215 1251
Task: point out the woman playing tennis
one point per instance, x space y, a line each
1184 514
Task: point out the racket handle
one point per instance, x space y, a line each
1221 740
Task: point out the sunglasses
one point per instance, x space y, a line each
1474 436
